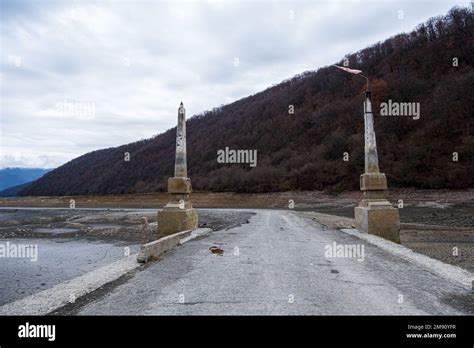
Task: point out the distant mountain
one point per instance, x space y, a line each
14 190
10 177
432 65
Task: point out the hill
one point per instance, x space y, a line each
304 151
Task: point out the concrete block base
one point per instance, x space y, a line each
382 220
173 220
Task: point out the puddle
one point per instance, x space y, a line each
54 231
105 226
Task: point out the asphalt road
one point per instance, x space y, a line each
277 264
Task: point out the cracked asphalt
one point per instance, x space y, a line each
276 265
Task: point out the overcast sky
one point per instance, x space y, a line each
78 76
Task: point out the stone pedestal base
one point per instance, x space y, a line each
378 217
174 219
373 182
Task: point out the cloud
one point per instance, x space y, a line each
76 77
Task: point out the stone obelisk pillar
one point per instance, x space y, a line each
180 165
178 215
375 214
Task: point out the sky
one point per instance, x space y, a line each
78 76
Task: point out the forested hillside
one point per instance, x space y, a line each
304 151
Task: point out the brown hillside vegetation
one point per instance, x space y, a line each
304 151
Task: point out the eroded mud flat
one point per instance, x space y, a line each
54 261
73 223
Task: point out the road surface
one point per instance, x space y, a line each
277 264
